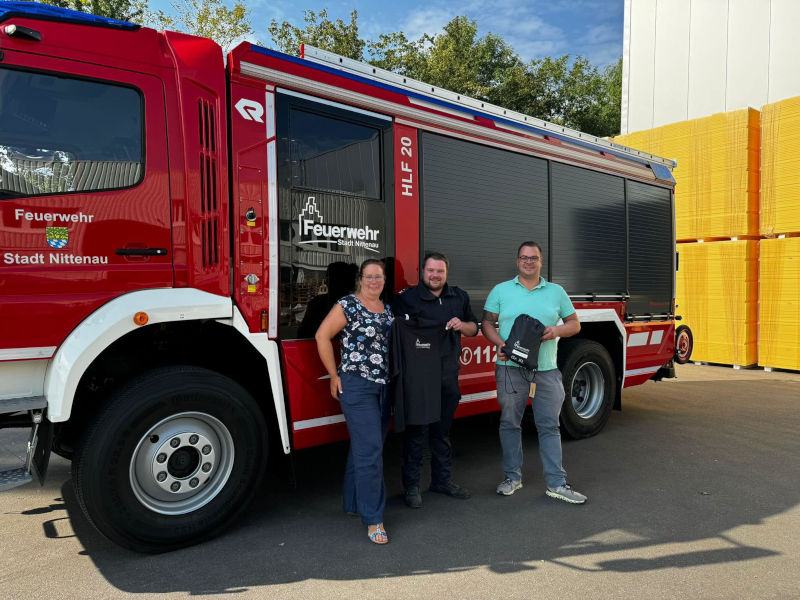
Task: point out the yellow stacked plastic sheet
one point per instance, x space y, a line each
779 304
717 177
717 296
780 167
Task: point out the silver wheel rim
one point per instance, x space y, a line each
587 390
181 463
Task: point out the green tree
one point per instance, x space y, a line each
535 88
565 90
459 60
207 18
319 31
395 52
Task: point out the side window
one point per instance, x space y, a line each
60 135
332 155
333 214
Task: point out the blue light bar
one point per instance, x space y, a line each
63 15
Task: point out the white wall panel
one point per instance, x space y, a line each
784 50
642 44
684 59
708 44
748 54
671 70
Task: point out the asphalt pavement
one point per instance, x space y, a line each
694 492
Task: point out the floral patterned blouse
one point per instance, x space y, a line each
365 340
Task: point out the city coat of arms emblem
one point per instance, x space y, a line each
57 237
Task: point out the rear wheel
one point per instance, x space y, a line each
589 385
684 344
172 459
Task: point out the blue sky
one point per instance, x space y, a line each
535 28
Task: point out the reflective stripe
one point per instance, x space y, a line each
642 371
638 339
321 421
476 397
272 202
270 104
27 353
657 336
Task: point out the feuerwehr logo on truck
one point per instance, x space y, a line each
310 221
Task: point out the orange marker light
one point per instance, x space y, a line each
141 318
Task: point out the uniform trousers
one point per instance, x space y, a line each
437 436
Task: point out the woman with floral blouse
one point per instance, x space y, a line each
362 321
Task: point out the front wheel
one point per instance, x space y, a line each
172 459
589 385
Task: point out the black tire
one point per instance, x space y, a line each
589 384
684 344
216 463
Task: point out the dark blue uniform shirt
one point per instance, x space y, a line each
418 301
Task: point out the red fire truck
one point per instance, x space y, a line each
174 224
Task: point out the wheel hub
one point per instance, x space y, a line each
683 344
181 463
587 390
178 459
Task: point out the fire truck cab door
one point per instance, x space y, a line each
84 193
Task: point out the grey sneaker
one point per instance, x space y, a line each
565 493
509 486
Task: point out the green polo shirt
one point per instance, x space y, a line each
548 302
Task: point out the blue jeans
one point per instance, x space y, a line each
365 405
512 396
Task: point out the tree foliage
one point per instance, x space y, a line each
319 31
206 18
565 90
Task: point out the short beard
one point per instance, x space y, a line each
430 287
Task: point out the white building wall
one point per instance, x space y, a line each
684 59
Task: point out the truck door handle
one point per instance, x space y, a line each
141 251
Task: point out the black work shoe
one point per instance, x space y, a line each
451 489
413 499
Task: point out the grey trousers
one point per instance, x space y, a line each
512 396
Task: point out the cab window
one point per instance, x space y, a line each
63 135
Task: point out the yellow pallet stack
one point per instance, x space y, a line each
717 296
717 177
780 168
779 305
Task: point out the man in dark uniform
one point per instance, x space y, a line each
434 299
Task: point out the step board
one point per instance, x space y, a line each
14 405
12 478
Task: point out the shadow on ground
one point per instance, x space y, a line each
682 463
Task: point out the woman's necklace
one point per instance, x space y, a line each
375 306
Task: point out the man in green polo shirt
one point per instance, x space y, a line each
528 293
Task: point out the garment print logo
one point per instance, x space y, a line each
57 237
313 231
422 345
